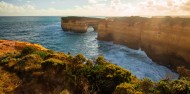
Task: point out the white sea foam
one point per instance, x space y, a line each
138 63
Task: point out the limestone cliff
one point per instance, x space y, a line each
79 24
165 40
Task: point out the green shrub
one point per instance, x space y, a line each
146 85
79 59
12 62
117 73
27 50
53 63
9 57
105 77
5 60
65 92
51 51
100 60
126 88
60 56
163 87
70 58
42 54
180 87
31 50
89 63
28 62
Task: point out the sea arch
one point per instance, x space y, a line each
79 24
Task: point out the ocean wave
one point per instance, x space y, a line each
137 62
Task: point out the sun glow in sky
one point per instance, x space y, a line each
94 7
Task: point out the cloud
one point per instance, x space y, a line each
29 10
28 1
9 9
145 8
95 1
92 1
104 8
53 2
186 5
168 7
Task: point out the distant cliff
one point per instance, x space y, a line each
79 24
165 40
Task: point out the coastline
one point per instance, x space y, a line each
163 39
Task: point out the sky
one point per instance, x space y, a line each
94 7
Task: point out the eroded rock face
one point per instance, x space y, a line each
165 40
79 24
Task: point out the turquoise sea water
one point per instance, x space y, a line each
47 32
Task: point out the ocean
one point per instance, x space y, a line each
47 32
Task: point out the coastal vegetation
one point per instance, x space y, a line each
31 70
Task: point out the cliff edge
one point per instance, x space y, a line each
27 68
165 40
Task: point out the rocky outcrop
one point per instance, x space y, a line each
165 40
79 24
